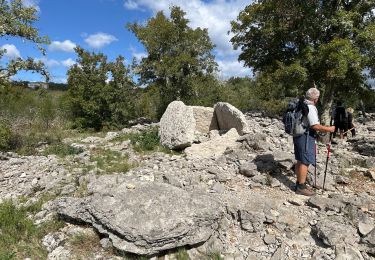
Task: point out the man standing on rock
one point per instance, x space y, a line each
304 145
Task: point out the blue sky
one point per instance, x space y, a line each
100 26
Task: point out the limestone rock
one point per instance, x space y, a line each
213 148
333 232
249 169
177 126
151 218
230 117
370 238
205 119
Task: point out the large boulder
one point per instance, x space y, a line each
205 119
230 117
144 218
177 126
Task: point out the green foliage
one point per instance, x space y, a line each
145 141
176 55
214 256
20 238
5 136
33 117
62 150
84 245
182 254
46 109
147 102
295 43
17 19
108 161
93 101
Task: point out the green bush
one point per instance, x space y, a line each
20 238
147 140
62 150
144 141
5 136
18 233
109 161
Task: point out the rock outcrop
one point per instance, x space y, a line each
144 218
230 117
177 126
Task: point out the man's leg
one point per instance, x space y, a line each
301 172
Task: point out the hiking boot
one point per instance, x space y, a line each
302 189
308 187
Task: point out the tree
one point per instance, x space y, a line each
99 91
16 20
177 54
328 42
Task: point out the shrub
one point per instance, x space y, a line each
20 238
109 161
5 136
62 150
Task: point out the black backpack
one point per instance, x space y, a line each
296 111
341 115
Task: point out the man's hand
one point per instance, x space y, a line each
331 129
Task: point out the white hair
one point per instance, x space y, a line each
312 94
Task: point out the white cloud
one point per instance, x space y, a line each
137 54
67 46
131 5
215 16
11 51
68 62
233 68
59 79
99 40
33 3
49 62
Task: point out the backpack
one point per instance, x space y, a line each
341 115
296 111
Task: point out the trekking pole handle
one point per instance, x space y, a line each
349 130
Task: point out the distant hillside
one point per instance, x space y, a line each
51 85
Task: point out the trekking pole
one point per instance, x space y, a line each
349 130
316 151
328 155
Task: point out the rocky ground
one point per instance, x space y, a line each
229 197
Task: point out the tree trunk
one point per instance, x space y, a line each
362 106
327 102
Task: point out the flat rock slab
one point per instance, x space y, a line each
333 231
147 219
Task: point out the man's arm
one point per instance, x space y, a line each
322 128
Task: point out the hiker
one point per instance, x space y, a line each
304 145
351 126
340 119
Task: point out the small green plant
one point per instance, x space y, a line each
62 150
84 245
20 238
182 254
109 161
145 141
214 256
